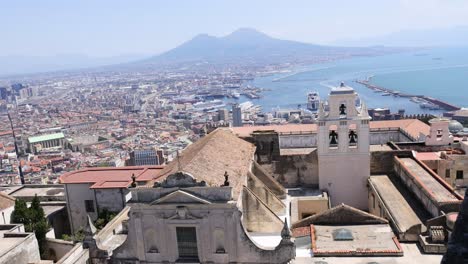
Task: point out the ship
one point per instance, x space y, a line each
235 95
313 101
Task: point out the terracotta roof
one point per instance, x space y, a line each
6 201
120 177
427 156
213 155
411 126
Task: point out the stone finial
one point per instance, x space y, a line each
285 232
364 110
321 112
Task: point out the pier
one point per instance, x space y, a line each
436 102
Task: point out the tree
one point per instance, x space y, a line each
20 213
36 213
33 219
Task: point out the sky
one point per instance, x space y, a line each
138 27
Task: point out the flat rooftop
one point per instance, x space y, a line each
8 243
412 254
373 239
296 151
39 190
266 240
383 147
401 211
437 190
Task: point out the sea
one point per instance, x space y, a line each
441 73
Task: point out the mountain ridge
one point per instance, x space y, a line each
247 44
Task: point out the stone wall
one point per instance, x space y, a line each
111 199
76 195
460 164
77 255
382 161
274 186
295 170
306 140
257 216
57 249
262 192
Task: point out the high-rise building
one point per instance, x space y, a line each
3 93
144 157
223 114
236 116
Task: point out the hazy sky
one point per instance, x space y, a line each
114 27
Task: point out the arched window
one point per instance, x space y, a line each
333 137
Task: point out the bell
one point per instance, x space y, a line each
352 137
333 138
342 109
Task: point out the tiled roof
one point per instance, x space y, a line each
120 177
427 156
213 155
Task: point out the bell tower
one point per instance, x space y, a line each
343 148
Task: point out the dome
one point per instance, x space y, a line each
455 126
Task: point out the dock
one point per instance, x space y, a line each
437 102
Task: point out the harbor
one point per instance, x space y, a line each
424 102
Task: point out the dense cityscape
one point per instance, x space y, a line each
173 158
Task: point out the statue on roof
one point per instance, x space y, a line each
226 179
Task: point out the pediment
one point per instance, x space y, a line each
341 215
180 197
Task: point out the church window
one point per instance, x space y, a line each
460 175
447 173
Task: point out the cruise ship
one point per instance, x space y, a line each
209 105
313 101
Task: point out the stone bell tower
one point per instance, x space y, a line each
343 148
